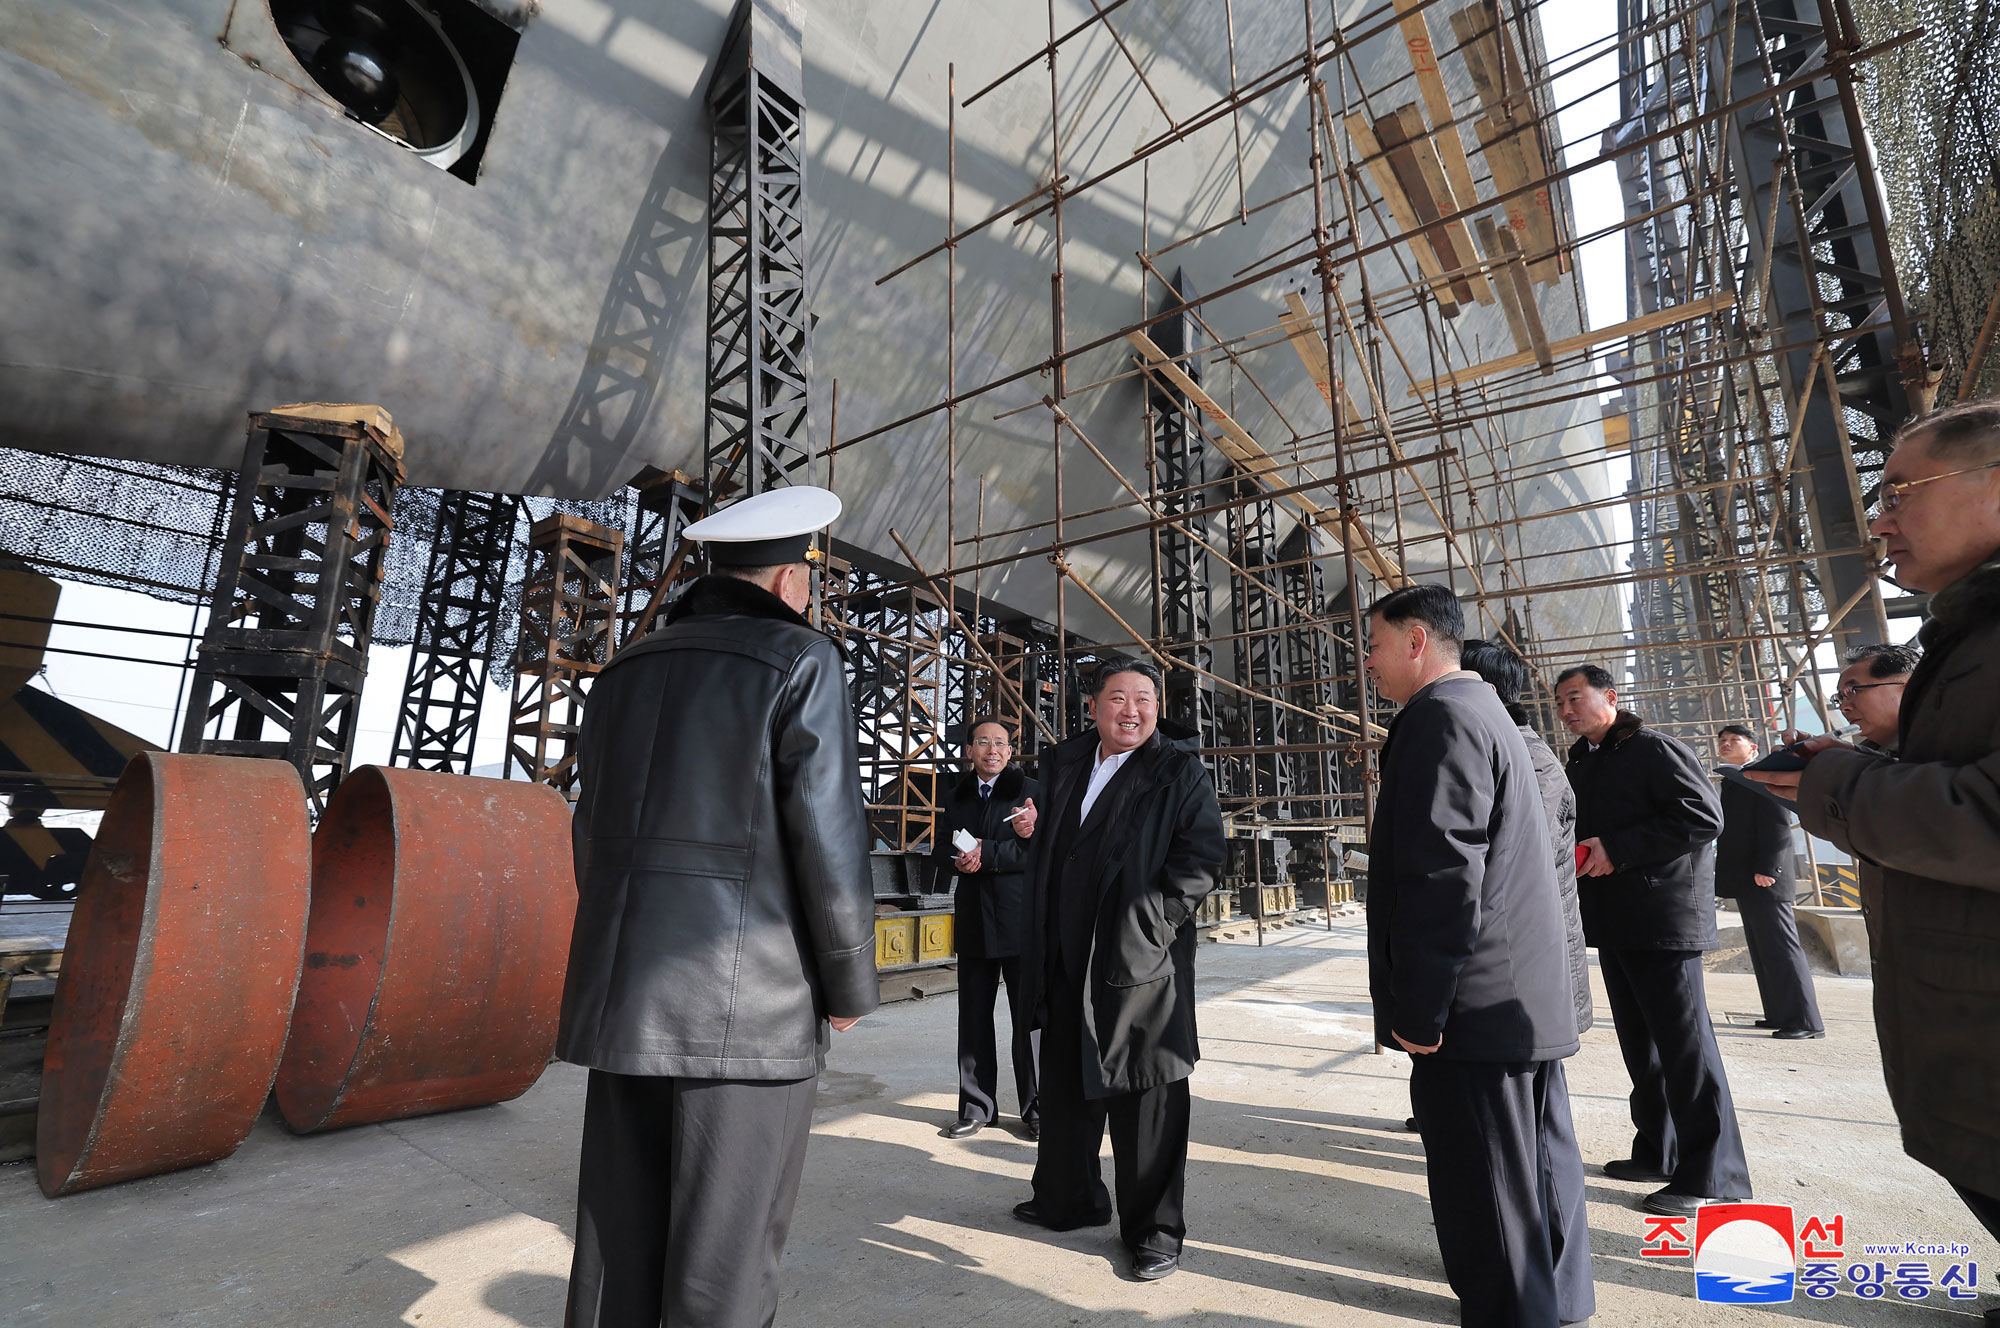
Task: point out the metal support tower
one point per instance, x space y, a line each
669 502
1802 158
569 607
1182 471
1309 665
758 431
1259 620
280 668
458 618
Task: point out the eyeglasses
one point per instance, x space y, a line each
992 742
1891 496
1848 695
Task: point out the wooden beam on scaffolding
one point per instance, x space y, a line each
1437 99
1510 132
1304 335
1235 442
1631 327
1368 148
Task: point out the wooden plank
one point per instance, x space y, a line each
1303 332
1506 157
1403 161
1510 297
1516 275
1235 442
1631 327
1437 99
1423 147
1370 151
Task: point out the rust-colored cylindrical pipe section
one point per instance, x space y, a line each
179 972
434 958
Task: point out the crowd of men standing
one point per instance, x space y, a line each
725 919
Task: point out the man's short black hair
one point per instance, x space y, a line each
1591 674
1007 727
1115 664
1885 661
750 573
1432 605
1506 671
1740 730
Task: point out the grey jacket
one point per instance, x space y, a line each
725 906
1559 804
1925 828
1465 926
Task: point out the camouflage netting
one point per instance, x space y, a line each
157 529
1933 111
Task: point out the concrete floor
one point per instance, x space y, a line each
1306 1200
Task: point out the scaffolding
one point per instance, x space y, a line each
1764 361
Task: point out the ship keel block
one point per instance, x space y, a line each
434 958
179 973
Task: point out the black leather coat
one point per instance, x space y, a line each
1756 841
989 906
1648 798
1159 853
725 904
1466 944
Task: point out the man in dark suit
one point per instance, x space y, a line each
1468 967
993 804
1134 842
1647 816
1753 866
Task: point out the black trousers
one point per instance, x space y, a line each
684 1198
1984 1207
1684 1119
1506 1185
1149 1143
978 1053
1784 981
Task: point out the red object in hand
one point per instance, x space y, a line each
1582 856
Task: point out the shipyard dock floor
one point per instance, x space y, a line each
1306 1199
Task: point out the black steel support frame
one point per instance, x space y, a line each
1182 470
669 502
758 430
1259 620
569 606
1831 268
293 611
458 618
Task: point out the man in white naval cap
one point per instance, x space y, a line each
725 919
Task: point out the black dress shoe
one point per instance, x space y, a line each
1030 1211
1673 1203
1626 1168
963 1128
1032 1128
1767 1023
1798 1034
1410 1124
1150 1266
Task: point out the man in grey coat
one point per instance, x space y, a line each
1924 823
725 920
1468 967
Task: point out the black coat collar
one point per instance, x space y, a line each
1622 728
1006 784
718 596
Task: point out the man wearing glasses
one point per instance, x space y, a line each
1925 823
1870 692
994 806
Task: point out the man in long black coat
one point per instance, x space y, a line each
993 802
1131 841
1648 816
1754 866
1468 967
725 920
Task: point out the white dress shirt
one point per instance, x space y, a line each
1102 768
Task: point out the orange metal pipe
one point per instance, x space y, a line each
434 958
179 972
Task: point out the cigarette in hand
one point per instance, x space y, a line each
1011 815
